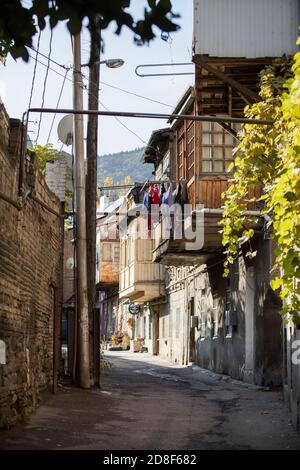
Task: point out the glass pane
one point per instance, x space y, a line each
207 167
227 165
228 153
218 153
190 146
206 126
217 127
206 139
218 166
206 153
218 139
228 139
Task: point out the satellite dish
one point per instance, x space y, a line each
65 130
70 263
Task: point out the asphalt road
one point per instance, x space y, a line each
147 404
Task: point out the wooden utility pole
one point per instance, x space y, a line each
91 194
81 252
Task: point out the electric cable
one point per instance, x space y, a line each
124 125
34 70
57 104
45 85
135 94
52 70
105 83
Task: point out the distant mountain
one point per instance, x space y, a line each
119 165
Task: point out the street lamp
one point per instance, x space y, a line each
110 63
113 63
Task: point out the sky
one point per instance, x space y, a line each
16 81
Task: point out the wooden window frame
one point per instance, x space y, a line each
215 130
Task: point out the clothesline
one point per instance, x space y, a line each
135 185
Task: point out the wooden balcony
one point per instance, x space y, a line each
187 251
174 251
141 280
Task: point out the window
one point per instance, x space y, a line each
201 314
186 150
215 323
116 253
177 322
181 162
190 159
228 326
150 327
106 252
217 147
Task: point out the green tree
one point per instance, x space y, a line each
18 23
44 154
127 180
108 181
270 156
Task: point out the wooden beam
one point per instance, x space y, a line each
200 62
229 130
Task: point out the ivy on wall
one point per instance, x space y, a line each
269 156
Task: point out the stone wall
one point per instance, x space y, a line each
31 251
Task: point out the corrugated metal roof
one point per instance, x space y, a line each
246 28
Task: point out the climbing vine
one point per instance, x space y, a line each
269 157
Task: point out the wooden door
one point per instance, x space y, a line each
156 334
192 342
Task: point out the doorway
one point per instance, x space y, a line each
192 341
156 333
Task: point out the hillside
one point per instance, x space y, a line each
119 165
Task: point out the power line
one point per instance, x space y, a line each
57 104
107 84
124 125
52 70
135 94
49 58
85 87
45 84
34 70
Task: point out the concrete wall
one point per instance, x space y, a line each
250 347
31 250
291 371
59 178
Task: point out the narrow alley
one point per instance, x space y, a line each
149 229
146 403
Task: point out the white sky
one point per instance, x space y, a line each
16 79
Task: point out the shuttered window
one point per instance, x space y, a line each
106 251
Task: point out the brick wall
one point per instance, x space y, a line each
31 250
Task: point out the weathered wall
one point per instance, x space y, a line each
59 177
291 371
251 349
31 241
69 261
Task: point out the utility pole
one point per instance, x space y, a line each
91 192
81 252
